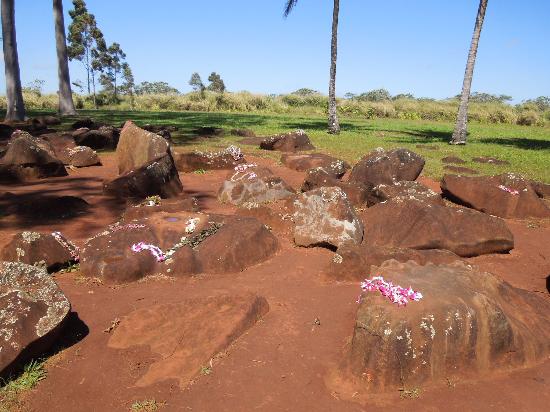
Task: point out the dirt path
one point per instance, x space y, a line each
283 363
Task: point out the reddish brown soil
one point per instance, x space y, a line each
284 362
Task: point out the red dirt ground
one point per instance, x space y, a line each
286 361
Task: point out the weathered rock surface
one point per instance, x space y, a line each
243 132
108 255
137 147
288 142
40 249
507 195
241 242
32 312
387 167
404 190
149 207
490 160
30 157
324 217
80 156
185 336
158 177
222 160
357 262
253 185
208 131
59 142
419 225
302 162
357 193
466 325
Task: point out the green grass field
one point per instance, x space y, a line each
527 148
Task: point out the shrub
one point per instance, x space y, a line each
528 118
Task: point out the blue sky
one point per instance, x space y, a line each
416 46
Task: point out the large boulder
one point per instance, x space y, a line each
30 157
46 120
325 217
357 193
252 184
288 142
137 147
59 142
51 250
225 159
467 324
80 156
105 137
186 335
402 191
417 224
33 310
158 177
109 256
239 243
357 262
541 189
155 204
387 167
303 162
507 195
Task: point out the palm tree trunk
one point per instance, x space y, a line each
460 132
14 94
66 104
333 124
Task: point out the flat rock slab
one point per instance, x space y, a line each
357 262
507 195
491 160
288 142
387 167
303 162
325 217
468 324
225 159
187 335
137 147
32 311
253 185
50 250
419 225
453 160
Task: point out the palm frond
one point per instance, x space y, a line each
289 6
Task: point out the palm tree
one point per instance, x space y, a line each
14 96
459 134
66 104
333 124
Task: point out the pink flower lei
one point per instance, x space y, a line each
507 189
395 293
73 250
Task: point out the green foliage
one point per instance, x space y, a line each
541 103
85 41
478 97
528 118
32 374
196 83
306 92
155 88
216 83
35 87
377 95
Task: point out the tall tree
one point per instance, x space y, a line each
216 83
460 131
333 123
86 42
14 94
66 104
129 84
196 83
110 61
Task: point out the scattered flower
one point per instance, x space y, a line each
155 250
395 293
73 250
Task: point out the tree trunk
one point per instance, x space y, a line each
93 85
333 124
459 134
66 104
14 94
